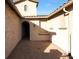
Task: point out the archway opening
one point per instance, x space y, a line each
25 30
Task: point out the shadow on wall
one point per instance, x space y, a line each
37 31
40 31
70 56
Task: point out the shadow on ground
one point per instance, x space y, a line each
33 50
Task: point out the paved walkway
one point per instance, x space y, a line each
33 50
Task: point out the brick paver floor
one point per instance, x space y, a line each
27 49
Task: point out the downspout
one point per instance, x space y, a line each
65 10
69 33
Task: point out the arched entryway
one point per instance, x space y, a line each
25 30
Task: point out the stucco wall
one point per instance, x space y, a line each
15 0
38 33
58 26
30 8
12 31
61 25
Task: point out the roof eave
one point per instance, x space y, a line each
39 17
25 0
58 10
13 7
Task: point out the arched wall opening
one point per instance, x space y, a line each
25 30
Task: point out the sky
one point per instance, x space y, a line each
45 7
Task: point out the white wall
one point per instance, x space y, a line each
31 8
15 0
62 37
54 25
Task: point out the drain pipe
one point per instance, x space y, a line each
69 33
67 12
64 9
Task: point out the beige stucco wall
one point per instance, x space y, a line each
31 8
12 31
38 33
